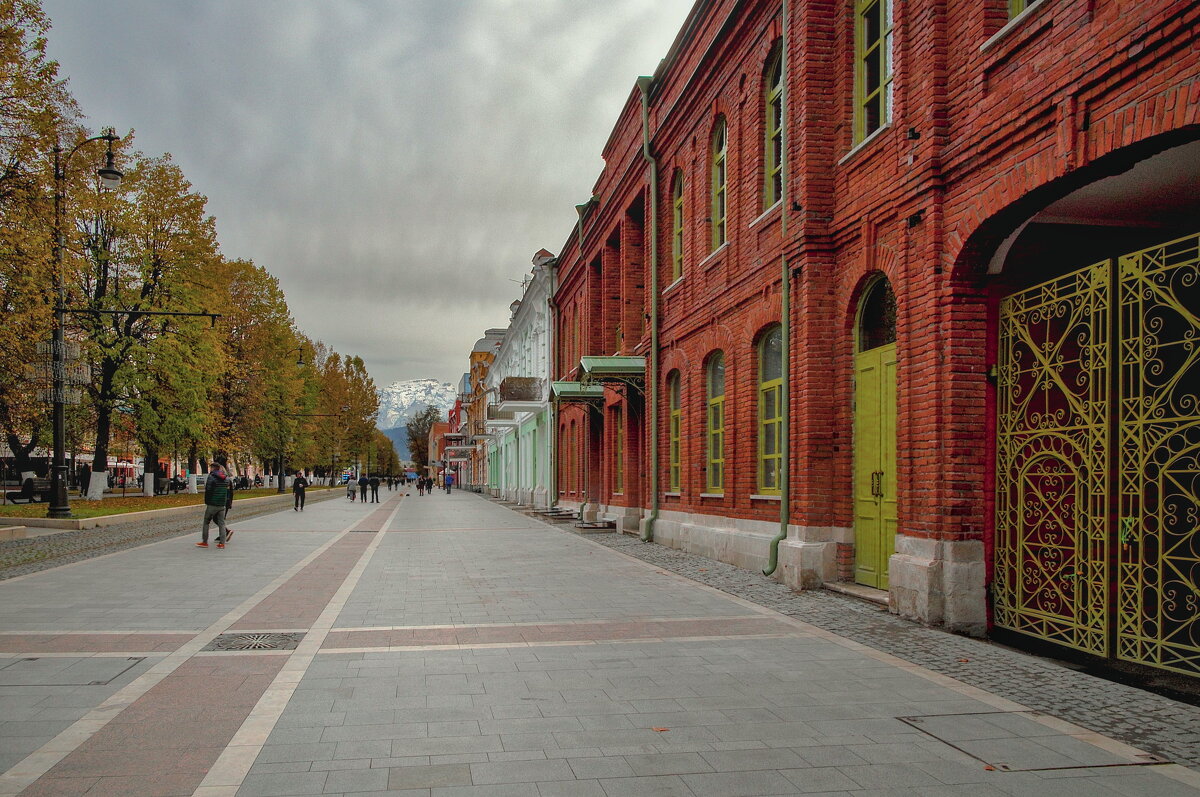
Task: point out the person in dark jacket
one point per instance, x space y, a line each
363 483
218 498
298 486
374 482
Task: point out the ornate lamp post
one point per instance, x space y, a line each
109 178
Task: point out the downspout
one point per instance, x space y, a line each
644 83
785 312
551 406
582 211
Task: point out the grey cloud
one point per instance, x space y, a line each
395 163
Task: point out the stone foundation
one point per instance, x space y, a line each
939 582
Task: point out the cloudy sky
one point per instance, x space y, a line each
396 163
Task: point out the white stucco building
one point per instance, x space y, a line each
521 449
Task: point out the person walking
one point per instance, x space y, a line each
363 483
350 490
449 482
374 482
298 486
421 486
217 500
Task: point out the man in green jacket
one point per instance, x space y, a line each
218 495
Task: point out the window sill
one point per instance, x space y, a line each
778 204
866 142
712 495
757 497
672 286
714 255
1012 25
617 495
672 495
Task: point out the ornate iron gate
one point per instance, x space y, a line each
1098 459
1158 528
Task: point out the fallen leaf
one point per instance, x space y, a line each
660 730
989 767
704 570
963 661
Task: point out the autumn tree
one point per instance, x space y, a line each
137 254
418 428
34 107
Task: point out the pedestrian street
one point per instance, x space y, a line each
447 645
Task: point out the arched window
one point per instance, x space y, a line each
677 226
770 410
715 378
872 66
720 146
773 117
676 433
877 318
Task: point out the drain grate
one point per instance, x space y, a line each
256 641
364 531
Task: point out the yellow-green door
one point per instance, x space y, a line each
874 464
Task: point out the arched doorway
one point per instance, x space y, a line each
875 435
1097 476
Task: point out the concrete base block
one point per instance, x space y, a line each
939 582
806 565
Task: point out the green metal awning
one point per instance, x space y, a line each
573 391
629 370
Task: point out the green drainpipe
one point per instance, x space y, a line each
785 485
582 211
644 83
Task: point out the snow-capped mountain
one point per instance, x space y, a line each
400 401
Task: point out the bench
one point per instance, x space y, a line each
32 490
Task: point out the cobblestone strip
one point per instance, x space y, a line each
35 554
1154 723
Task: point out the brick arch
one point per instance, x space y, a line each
1016 195
881 260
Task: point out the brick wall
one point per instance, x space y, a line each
983 133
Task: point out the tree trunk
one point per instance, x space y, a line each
99 478
192 456
150 480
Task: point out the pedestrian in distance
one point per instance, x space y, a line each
298 486
421 486
217 499
449 482
363 483
374 482
350 490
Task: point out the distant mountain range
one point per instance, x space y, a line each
400 401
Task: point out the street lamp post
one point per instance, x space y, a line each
109 178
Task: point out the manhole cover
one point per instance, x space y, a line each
256 641
364 531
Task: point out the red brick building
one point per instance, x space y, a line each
906 294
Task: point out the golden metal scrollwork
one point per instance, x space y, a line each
1052 495
1098 463
1158 596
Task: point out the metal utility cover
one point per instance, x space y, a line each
256 640
1016 742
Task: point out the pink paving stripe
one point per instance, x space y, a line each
92 643
375 520
164 743
556 632
302 598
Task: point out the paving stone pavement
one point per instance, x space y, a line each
1155 723
459 648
